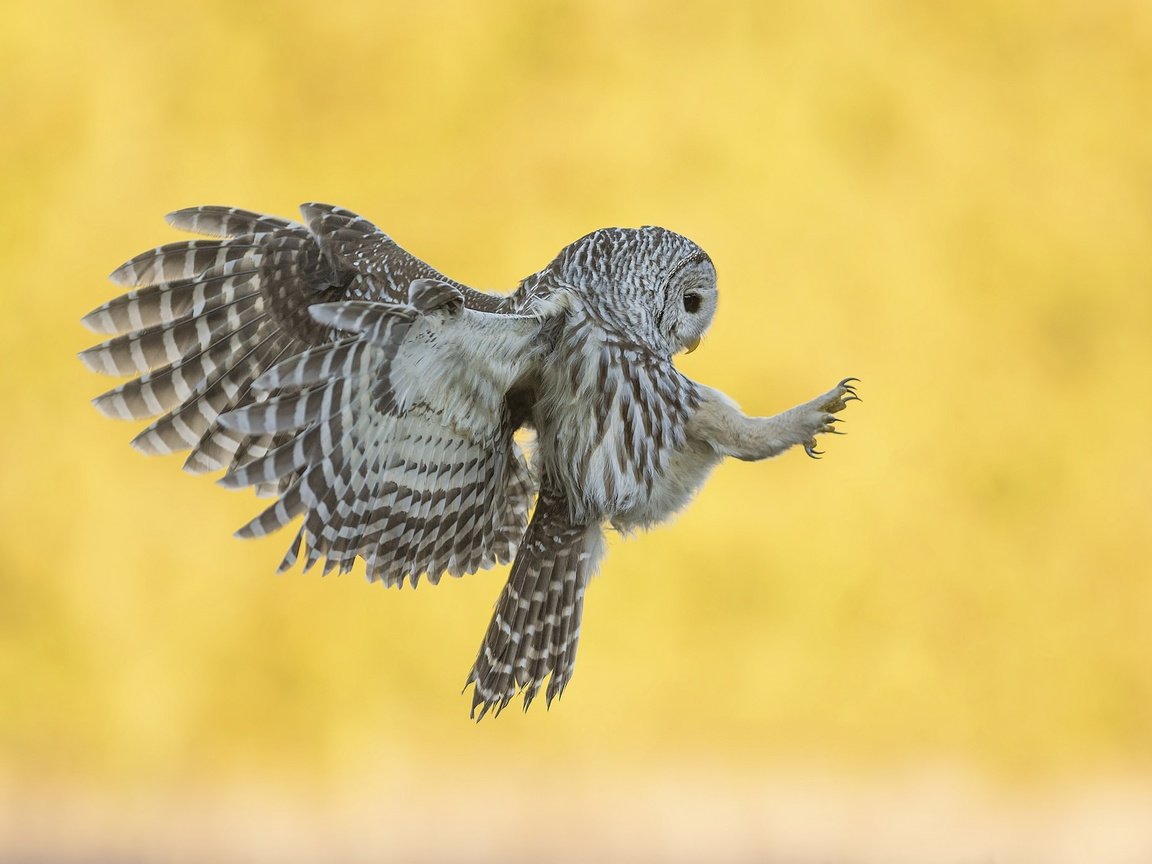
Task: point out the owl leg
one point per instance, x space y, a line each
720 422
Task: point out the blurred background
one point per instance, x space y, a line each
932 646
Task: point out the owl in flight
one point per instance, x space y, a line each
379 400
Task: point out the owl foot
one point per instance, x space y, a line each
817 417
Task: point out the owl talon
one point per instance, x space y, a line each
818 416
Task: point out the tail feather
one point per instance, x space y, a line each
537 660
534 629
567 636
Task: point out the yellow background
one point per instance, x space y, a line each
951 201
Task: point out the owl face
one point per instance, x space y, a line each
650 284
689 296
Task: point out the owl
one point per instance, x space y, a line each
379 403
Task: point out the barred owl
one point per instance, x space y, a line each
378 401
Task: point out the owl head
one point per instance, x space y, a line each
649 283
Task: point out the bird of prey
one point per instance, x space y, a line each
379 402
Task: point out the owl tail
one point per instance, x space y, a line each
536 625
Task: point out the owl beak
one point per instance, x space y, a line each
691 346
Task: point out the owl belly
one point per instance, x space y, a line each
687 469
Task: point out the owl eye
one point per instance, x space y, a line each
691 303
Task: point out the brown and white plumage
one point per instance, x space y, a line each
378 400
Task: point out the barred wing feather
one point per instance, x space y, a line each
324 304
401 447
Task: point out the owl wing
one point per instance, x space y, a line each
398 398
399 442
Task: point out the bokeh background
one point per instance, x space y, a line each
934 645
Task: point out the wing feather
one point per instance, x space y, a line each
358 383
405 452
320 362
182 261
218 221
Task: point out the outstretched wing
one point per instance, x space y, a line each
208 318
399 442
374 268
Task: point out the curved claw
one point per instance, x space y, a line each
811 450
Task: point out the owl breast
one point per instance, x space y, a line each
611 421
